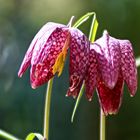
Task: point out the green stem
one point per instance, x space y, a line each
83 19
7 136
102 125
93 29
77 102
47 109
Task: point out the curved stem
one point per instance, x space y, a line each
7 136
47 109
93 29
71 21
77 102
102 125
83 19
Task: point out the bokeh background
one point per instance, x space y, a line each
21 108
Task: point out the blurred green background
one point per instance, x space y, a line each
21 108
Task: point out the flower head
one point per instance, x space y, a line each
79 50
47 52
111 63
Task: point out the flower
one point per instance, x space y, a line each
47 52
78 63
111 63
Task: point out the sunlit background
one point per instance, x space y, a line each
21 108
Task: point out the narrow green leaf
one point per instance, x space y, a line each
7 136
77 102
83 19
31 136
93 29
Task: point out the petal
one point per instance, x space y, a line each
110 99
109 58
49 52
47 28
79 49
43 36
128 66
91 75
27 59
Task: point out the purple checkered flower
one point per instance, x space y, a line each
111 63
47 53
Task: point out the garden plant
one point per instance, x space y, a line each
101 65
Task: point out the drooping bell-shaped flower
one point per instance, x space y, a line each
79 50
47 52
111 63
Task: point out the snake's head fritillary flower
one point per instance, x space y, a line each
47 52
111 63
79 50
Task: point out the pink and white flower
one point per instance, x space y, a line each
111 63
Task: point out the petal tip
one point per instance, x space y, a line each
90 99
132 95
111 84
20 75
33 86
110 112
66 95
105 32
